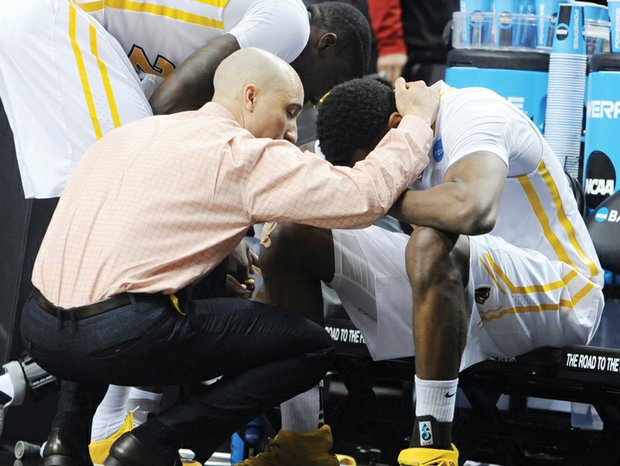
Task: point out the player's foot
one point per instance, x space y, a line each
299 449
100 449
428 457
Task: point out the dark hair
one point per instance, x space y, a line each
352 29
354 115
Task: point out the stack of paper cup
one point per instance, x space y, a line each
565 95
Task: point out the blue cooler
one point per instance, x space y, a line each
520 77
602 152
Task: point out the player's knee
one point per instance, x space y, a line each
292 245
433 255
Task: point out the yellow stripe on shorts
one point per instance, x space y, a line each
529 288
522 310
487 267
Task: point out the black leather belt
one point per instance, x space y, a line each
82 312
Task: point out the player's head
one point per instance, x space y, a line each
262 91
338 48
353 118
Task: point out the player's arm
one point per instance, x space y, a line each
190 85
466 202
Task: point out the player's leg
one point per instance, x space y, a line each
293 266
438 269
295 263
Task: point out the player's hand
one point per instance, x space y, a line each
416 98
241 262
234 289
391 66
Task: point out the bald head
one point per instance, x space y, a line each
253 85
253 66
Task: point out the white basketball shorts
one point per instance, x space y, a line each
520 300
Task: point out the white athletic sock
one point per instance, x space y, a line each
6 386
111 413
435 398
303 413
142 403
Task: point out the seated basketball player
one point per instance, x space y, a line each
499 263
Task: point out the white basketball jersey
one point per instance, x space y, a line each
158 35
538 210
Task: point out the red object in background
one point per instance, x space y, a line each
386 21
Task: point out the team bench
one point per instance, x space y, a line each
374 408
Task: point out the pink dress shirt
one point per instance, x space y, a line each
157 203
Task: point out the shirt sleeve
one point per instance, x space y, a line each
278 26
286 184
472 123
387 24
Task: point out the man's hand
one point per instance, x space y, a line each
241 262
416 99
391 66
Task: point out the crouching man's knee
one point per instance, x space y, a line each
434 256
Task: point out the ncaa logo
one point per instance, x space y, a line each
438 151
252 435
601 214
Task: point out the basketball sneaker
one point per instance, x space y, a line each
297 449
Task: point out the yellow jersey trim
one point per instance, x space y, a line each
541 215
159 10
105 78
88 95
216 3
570 231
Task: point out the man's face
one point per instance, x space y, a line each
321 75
275 114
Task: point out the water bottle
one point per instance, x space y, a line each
247 442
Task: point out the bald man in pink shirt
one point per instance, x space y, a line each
155 206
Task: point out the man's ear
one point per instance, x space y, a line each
327 40
394 120
249 97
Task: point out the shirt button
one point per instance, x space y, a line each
427 145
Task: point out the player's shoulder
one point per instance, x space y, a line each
472 94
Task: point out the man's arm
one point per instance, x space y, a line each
467 202
190 85
285 185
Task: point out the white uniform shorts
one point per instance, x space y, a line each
64 82
520 300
